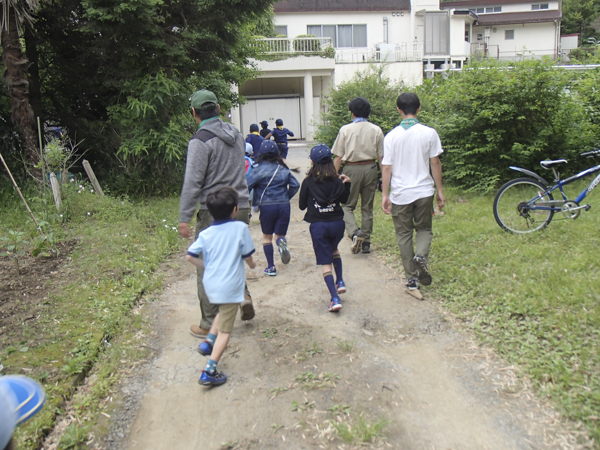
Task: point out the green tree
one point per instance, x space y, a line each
16 13
372 85
490 117
578 15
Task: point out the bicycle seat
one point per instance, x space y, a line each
550 164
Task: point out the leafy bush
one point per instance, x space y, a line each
372 85
493 116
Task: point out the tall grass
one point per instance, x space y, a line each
534 298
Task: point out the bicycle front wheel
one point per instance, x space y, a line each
511 209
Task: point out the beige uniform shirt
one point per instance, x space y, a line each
360 141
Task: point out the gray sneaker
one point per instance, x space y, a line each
357 241
284 251
421 265
412 284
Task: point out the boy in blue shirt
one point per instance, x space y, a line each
255 139
224 246
280 135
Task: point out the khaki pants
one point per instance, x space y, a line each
364 184
416 216
209 310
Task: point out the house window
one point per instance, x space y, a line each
341 35
281 30
509 35
487 10
538 6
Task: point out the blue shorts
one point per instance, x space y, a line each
283 149
275 218
325 237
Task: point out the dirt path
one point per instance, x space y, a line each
296 367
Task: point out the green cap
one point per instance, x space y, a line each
203 96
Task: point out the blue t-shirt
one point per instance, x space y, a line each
223 246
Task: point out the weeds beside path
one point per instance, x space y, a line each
61 315
533 298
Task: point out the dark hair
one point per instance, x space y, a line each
323 171
272 157
264 124
360 107
221 202
279 122
408 103
211 110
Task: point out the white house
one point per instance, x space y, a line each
324 43
512 29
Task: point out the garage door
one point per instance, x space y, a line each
271 109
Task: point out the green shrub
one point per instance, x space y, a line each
372 85
492 116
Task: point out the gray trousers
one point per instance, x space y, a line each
364 184
208 310
416 216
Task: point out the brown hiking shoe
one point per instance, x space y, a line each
247 308
198 332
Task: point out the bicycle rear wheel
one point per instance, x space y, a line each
511 210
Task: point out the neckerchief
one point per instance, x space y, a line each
280 127
207 120
255 132
359 119
407 123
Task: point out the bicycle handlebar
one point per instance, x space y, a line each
592 153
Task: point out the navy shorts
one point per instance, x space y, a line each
275 218
283 150
325 237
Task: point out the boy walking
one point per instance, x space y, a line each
224 246
409 152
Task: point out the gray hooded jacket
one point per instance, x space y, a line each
215 158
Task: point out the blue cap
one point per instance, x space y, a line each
320 153
20 399
269 148
253 127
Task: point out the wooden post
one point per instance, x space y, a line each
55 191
92 177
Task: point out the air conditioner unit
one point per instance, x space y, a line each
486 32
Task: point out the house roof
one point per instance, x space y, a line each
473 3
340 5
518 17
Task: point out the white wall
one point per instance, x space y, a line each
525 7
399 26
457 36
411 73
534 39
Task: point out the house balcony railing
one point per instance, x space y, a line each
293 45
404 52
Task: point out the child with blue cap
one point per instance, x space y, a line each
321 194
274 186
280 135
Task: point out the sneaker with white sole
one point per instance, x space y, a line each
421 265
205 348
212 379
284 250
340 287
271 271
335 305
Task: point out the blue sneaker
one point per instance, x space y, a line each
335 305
284 250
340 286
205 348
271 271
212 379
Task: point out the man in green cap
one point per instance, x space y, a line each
215 158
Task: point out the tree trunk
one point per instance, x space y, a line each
31 51
17 87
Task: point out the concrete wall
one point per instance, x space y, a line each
411 73
526 7
531 40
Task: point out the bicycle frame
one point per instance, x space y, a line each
556 205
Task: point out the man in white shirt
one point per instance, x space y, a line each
412 166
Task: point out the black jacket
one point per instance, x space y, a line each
323 199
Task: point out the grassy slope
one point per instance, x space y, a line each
534 298
120 244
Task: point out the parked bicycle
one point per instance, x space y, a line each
525 205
